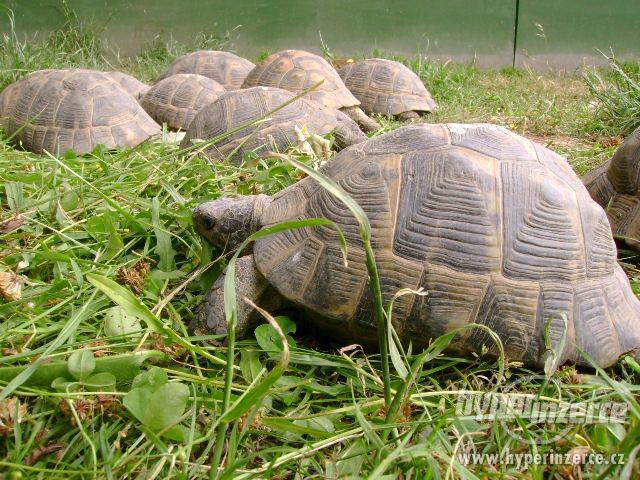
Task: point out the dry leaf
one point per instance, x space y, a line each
40 452
10 286
11 224
135 276
11 412
84 409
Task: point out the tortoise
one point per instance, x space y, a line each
498 230
129 83
297 70
73 109
615 185
234 109
224 67
175 100
388 88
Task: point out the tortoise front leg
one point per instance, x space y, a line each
210 317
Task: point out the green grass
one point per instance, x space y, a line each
70 223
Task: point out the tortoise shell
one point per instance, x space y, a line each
296 71
176 99
75 109
225 68
234 109
7 100
496 229
130 84
386 87
616 186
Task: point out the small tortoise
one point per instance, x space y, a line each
498 231
277 132
388 88
75 109
175 100
616 186
225 68
131 84
297 70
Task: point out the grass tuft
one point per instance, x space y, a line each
617 93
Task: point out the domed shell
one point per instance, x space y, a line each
496 229
386 87
616 186
60 110
225 68
176 99
275 132
129 83
296 71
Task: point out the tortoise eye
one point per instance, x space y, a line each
209 223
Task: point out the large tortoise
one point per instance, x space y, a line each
498 231
616 186
74 109
176 99
388 88
275 132
225 68
297 70
131 84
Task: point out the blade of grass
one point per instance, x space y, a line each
372 268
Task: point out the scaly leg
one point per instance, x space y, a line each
368 124
210 318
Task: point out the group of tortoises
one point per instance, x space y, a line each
497 230
216 92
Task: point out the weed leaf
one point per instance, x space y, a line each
81 364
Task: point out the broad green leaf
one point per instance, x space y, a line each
250 365
269 339
81 364
137 402
166 406
118 322
178 433
101 381
152 379
156 403
63 384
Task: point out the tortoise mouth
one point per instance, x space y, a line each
204 221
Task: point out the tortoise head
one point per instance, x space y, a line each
227 222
